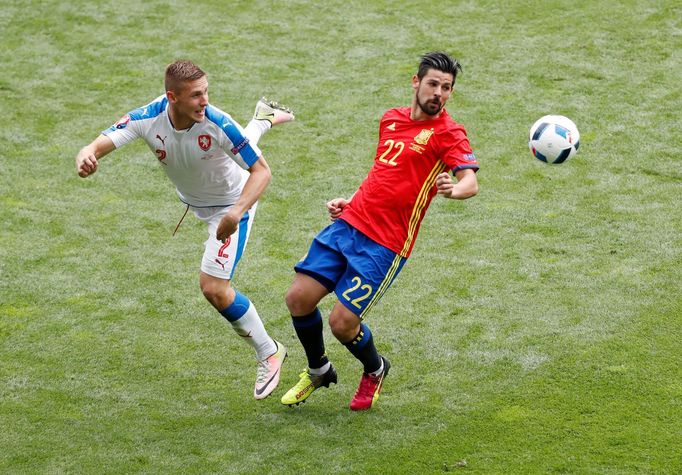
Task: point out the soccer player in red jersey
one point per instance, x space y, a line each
371 236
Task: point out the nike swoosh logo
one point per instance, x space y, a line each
259 392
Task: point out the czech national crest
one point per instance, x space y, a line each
204 142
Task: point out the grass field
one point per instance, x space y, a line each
536 328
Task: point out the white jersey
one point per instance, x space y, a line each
206 162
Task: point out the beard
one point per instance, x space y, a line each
430 107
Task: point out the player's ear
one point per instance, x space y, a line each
415 82
172 98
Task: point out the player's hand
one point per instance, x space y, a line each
227 226
445 184
86 164
335 207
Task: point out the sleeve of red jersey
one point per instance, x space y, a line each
456 151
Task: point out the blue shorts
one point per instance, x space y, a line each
350 264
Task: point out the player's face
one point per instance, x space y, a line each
189 103
432 91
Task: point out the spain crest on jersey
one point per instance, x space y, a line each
423 137
204 142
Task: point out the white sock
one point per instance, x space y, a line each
380 370
250 327
255 130
321 370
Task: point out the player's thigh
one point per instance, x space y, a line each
304 294
220 259
370 272
324 260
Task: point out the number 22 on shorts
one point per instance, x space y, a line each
365 291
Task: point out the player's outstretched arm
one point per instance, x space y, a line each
86 160
258 180
465 187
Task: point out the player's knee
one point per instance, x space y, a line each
216 294
210 293
344 328
297 301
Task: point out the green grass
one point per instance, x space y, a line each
536 329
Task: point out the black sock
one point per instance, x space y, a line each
362 347
309 331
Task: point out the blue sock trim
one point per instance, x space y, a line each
238 308
359 342
307 320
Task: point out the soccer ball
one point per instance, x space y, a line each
554 139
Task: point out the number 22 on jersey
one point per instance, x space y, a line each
392 152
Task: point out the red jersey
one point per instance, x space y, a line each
390 204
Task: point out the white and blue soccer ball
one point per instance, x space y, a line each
554 139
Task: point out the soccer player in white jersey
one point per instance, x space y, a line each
219 172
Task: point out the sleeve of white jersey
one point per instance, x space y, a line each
233 139
125 130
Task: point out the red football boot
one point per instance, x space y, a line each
369 389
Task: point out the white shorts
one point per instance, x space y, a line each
220 259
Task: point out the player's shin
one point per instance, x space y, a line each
256 129
362 347
309 331
246 322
